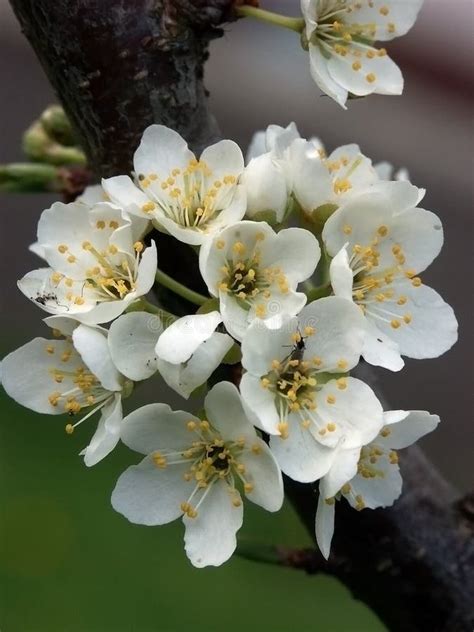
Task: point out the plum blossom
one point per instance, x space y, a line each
340 37
369 477
381 241
98 264
72 374
194 469
185 351
285 167
183 196
255 271
297 390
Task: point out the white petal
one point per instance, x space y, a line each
64 324
355 411
325 525
28 373
39 287
261 402
353 166
93 194
229 215
408 430
70 225
160 151
92 345
322 78
278 139
146 271
181 339
103 312
262 344
123 192
296 251
381 350
263 472
132 340
431 329
300 456
210 537
146 494
223 158
397 21
226 414
311 180
185 378
107 434
266 187
343 469
380 491
341 274
340 331
157 427
236 318
212 257
388 204
375 74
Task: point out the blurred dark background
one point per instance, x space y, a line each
67 562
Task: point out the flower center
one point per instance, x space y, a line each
190 197
112 278
210 459
296 382
245 279
377 292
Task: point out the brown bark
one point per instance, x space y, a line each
119 65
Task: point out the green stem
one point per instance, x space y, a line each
190 295
295 24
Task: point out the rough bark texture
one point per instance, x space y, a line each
118 66
412 563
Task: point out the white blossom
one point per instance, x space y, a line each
97 263
72 374
340 36
185 352
255 271
194 468
290 388
291 167
188 198
369 477
380 242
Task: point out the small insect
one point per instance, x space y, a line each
42 299
298 348
47 297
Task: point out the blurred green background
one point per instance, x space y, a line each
69 563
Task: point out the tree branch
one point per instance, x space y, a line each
118 66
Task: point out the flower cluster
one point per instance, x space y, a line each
289 314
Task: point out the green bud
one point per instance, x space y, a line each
57 126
